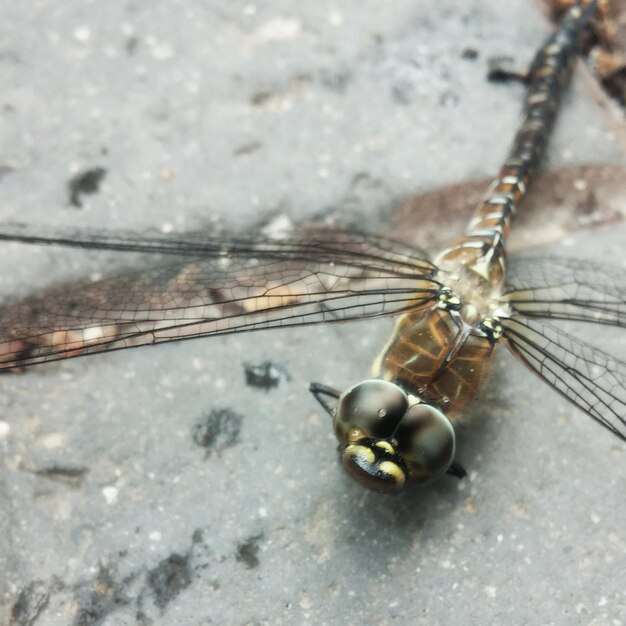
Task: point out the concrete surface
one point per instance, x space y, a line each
155 486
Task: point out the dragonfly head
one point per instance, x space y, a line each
386 440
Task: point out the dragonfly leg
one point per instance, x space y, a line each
321 392
457 470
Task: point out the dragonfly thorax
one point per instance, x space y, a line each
441 354
478 297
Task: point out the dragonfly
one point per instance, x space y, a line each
399 426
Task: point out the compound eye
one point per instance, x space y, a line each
426 442
373 407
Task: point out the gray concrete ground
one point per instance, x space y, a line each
116 506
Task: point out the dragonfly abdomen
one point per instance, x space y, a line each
482 248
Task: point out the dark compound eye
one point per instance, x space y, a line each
426 442
385 442
373 407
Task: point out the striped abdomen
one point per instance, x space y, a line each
482 249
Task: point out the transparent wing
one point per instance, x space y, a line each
235 286
316 242
560 288
590 379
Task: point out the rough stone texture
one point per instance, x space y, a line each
222 115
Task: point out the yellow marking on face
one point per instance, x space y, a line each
362 452
386 446
393 469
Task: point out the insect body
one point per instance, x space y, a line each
452 312
440 352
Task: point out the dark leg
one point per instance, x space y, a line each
320 392
457 470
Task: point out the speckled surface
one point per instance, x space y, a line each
155 486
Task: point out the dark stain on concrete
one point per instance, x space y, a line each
30 603
84 183
169 578
218 430
264 376
98 598
248 551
